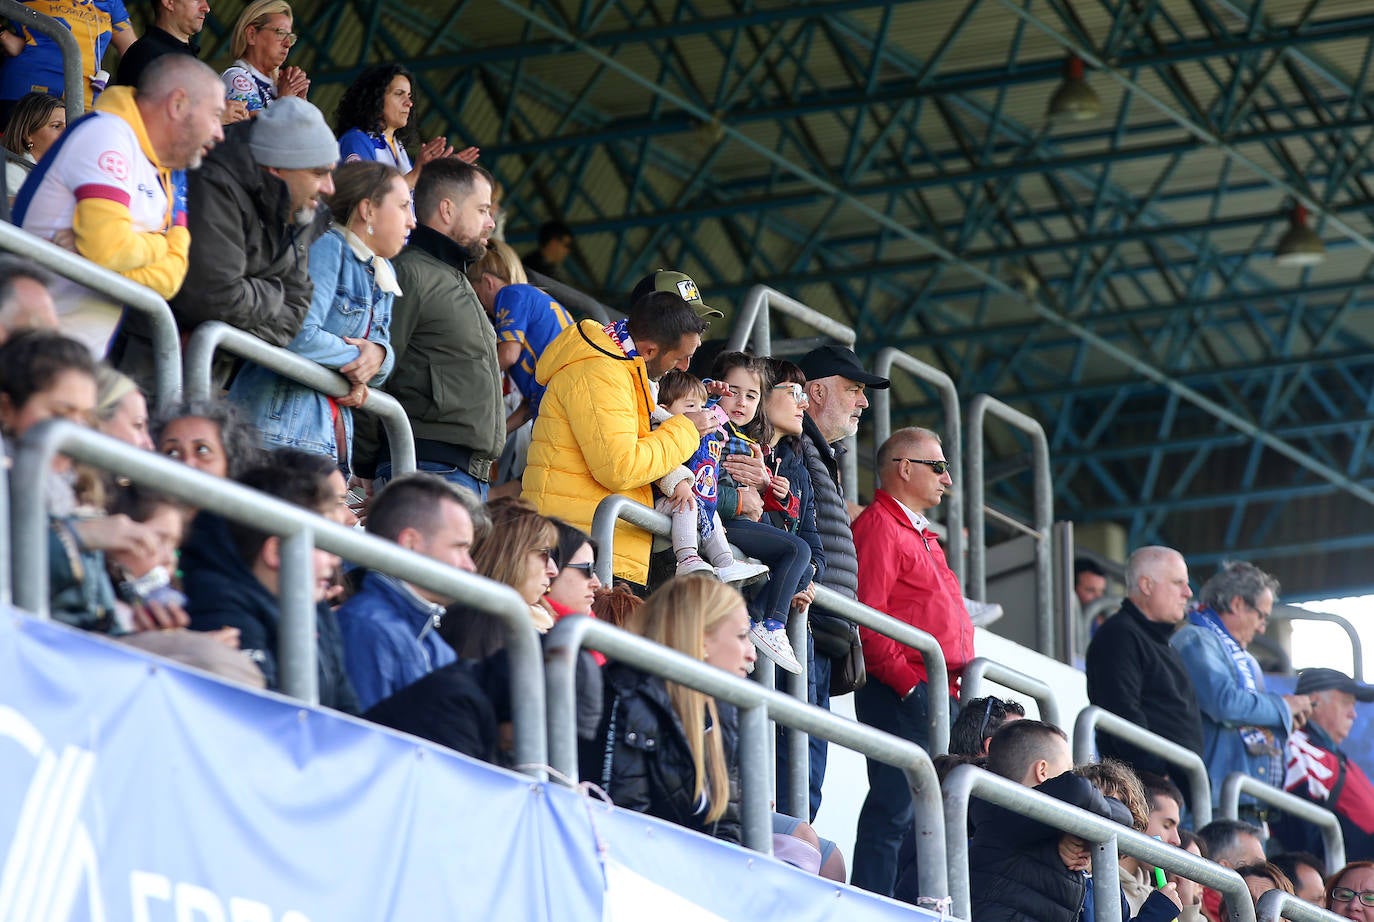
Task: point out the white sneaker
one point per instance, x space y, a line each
982 613
775 645
693 564
742 572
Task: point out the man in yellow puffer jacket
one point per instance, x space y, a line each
592 436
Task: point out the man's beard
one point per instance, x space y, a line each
304 215
472 250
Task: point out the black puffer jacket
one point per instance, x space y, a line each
1015 874
832 522
639 755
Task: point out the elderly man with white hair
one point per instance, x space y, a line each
1132 670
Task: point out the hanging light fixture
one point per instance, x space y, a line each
1074 100
1299 245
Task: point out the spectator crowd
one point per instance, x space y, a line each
371 252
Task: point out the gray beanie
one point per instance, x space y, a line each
291 134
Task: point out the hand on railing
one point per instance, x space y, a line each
354 398
369 361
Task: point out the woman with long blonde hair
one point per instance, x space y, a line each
661 748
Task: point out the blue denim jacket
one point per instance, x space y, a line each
346 302
1226 706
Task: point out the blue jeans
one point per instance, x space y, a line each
887 812
446 471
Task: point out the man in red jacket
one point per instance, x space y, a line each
902 571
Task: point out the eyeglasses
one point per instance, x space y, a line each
939 467
796 390
287 36
1263 615
547 553
1345 895
585 569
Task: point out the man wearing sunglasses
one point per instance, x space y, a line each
1244 726
903 571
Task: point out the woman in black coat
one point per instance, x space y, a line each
662 748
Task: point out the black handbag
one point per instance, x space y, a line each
847 672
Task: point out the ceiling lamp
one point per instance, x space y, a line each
1299 245
1074 101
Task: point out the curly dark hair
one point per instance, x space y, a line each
361 104
242 446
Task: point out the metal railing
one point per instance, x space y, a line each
1276 906
616 507
1292 613
757 706
571 298
73 72
952 434
967 781
301 531
1238 783
215 335
166 341
753 324
980 407
1093 719
980 668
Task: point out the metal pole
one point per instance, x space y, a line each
798 743
573 299
6 574
166 340
980 668
214 335
1062 555
1276 906
296 645
1093 720
952 434
617 507
979 408
575 632
1106 881
967 781
1333 840
73 76
1292 613
756 761
752 321
33 460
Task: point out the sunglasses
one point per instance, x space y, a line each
939 467
1345 895
796 390
585 569
994 704
547 553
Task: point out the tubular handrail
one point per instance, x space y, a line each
980 668
967 781
754 322
302 531
214 335
1276 906
952 433
166 341
616 506
979 408
1238 783
73 75
1093 719
1292 613
937 670
572 634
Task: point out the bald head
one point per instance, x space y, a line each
1157 581
181 101
25 302
912 468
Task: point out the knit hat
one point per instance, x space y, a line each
291 134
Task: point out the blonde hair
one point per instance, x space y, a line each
679 615
111 387
255 14
501 261
1116 779
516 529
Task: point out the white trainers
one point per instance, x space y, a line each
775 645
742 572
982 613
693 564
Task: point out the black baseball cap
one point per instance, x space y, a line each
824 361
1315 680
